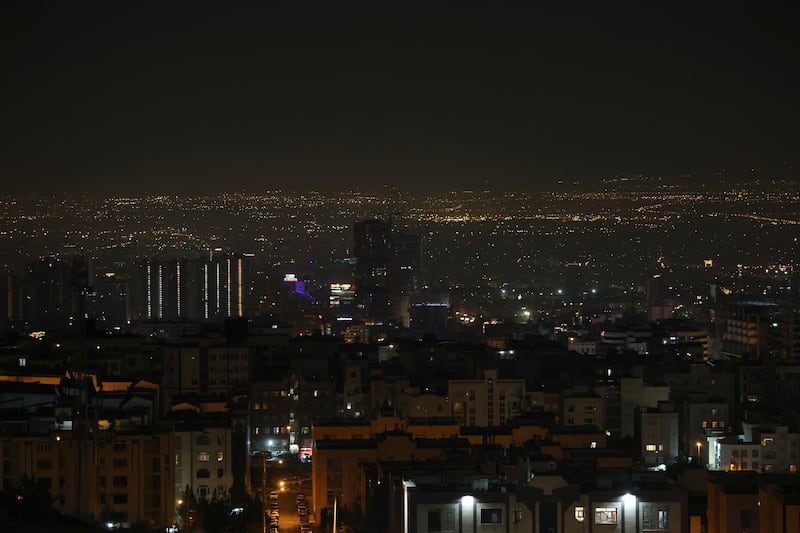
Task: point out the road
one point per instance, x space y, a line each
287 506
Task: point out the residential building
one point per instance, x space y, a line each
488 401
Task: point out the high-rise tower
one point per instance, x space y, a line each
386 269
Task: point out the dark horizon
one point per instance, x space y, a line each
115 101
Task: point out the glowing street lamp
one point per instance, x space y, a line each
699 445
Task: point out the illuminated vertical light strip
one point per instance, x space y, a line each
178 280
239 288
205 291
216 303
160 292
149 285
228 286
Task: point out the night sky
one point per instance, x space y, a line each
184 101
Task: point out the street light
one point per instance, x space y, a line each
699 445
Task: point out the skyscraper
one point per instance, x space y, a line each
53 290
201 288
373 251
387 263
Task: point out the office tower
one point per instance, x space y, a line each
9 299
211 288
53 291
373 251
341 300
111 302
387 265
226 284
403 275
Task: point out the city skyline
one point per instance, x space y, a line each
114 101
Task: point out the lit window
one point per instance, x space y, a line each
580 514
203 457
605 515
654 518
220 456
650 448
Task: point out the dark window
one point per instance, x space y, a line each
203 473
491 516
120 499
654 518
748 519
119 481
435 520
441 520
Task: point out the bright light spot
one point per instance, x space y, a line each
629 499
467 501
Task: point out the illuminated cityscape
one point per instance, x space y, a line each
247 329
466 270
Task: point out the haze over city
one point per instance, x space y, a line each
456 270
111 99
